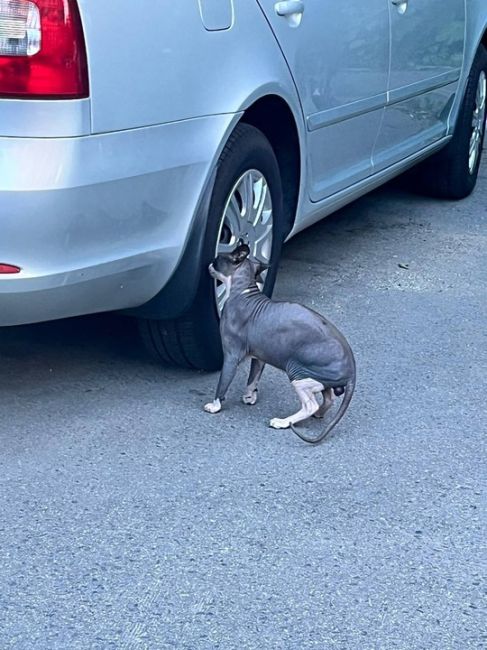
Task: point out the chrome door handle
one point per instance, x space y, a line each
289 7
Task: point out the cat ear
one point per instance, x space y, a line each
240 253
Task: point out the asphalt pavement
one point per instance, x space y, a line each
131 519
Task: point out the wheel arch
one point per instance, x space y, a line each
272 115
476 36
270 112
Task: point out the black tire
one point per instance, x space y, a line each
446 174
193 340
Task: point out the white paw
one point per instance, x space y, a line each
213 407
277 423
250 398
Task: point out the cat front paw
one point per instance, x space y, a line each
250 397
213 407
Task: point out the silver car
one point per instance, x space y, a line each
139 138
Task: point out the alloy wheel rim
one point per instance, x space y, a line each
247 216
478 123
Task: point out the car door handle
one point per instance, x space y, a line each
289 7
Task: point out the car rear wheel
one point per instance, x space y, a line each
452 172
246 205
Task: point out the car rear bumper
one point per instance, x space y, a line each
100 222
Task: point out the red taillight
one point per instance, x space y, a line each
42 50
9 269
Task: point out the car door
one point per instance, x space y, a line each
338 54
427 41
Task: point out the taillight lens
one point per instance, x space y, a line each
42 50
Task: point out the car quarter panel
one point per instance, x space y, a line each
157 62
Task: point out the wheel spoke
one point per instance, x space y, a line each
473 143
247 194
476 139
481 92
261 203
233 217
263 244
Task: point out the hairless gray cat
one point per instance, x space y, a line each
314 354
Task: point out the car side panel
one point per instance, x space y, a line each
427 122
427 47
339 57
